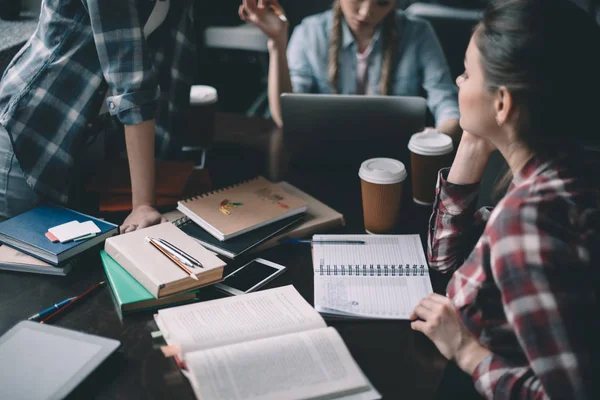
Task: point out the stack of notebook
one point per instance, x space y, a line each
141 277
258 215
29 246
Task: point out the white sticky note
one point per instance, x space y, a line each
61 232
73 230
89 227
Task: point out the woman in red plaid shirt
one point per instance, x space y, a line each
521 315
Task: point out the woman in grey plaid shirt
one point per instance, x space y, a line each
53 90
521 315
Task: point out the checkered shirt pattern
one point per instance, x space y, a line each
522 281
53 89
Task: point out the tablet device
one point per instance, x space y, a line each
46 362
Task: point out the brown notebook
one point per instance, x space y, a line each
232 211
319 218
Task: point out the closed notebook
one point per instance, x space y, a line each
130 295
240 244
235 210
14 260
26 232
157 273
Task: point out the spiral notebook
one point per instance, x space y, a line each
384 278
232 211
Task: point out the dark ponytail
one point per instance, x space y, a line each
545 52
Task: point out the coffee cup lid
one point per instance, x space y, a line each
430 142
382 171
200 94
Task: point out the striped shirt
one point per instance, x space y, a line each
526 290
53 89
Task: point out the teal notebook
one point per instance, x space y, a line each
131 296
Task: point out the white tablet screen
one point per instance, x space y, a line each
37 364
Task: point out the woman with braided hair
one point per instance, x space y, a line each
358 47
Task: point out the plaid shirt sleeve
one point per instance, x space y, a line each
454 226
537 264
125 60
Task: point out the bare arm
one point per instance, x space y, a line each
259 14
279 77
140 152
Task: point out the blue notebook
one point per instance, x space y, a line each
26 233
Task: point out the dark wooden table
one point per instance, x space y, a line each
399 362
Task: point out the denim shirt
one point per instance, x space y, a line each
420 65
53 89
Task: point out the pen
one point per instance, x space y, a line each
277 10
182 253
50 309
287 240
166 253
173 254
76 299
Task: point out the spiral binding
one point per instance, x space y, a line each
212 192
179 222
374 270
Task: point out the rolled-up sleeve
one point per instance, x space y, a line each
442 93
454 226
125 60
301 73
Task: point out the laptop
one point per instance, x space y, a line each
334 129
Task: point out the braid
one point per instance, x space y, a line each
335 43
389 44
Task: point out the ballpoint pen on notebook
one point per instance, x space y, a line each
75 300
181 253
171 256
295 241
51 309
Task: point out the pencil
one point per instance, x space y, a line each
278 11
170 257
91 289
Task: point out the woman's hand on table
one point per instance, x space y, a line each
435 317
140 217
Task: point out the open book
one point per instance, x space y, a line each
384 278
266 345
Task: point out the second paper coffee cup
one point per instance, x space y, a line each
381 181
430 151
201 115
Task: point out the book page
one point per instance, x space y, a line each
310 364
384 278
239 318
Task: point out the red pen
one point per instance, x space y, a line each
73 301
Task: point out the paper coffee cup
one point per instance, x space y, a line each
430 151
201 117
381 181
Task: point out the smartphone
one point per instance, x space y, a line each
250 277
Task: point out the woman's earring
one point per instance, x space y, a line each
498 120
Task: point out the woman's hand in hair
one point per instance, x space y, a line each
471 158
261 14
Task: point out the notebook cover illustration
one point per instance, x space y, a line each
232 211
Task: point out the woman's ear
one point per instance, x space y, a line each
504 105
